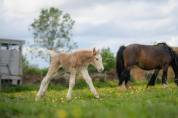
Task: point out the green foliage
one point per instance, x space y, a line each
32 69
52 29
155 102
25 62
108 59
92 69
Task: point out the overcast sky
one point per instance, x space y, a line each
99 23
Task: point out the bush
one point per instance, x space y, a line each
108 59
32 69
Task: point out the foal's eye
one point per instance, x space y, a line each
97 59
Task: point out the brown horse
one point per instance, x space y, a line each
147 57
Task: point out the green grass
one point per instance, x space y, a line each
138 102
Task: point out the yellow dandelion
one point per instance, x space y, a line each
61 114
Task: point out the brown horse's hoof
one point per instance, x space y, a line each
165 85
129 85
122 88
150 85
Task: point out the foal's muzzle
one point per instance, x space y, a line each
100 70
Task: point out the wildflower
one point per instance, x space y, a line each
61 114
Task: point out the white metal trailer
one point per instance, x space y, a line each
11 61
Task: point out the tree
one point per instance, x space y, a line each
52 29
108 59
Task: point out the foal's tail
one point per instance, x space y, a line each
120 64
52 53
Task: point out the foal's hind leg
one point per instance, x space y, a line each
71 84
53 68
153 78
88 80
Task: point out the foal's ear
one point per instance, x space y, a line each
98 51
94 51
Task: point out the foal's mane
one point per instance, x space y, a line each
80 57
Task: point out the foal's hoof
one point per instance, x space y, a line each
97 96
37 98
149 86
129 87
69 98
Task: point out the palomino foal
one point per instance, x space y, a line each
72 62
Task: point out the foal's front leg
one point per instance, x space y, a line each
88 80
71 85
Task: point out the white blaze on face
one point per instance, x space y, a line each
98 63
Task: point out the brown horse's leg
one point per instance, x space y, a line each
175 69
127 79
121 80
153 78
164 76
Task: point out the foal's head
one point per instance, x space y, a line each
97 60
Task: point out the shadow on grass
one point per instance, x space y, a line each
80 84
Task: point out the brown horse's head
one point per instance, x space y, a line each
175 67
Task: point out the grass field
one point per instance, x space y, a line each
139 102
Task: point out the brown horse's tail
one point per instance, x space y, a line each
174 62
120 64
